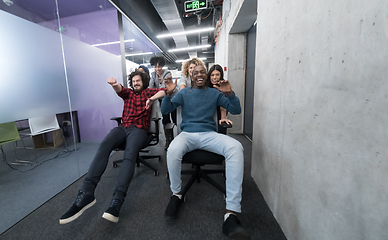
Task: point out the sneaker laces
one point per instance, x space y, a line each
78 198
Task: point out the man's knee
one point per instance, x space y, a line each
235 146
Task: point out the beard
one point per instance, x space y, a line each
137 90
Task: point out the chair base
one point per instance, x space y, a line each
199 173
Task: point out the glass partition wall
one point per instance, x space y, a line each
54 62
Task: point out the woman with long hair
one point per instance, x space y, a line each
215 75
187 69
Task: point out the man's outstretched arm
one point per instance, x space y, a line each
156 96
116 86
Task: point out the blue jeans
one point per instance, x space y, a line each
221 144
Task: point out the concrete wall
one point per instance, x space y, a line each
230 53
320 117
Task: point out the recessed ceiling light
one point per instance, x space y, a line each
182 60
110 43
186 32
136 54
189 48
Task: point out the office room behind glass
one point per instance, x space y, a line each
52 65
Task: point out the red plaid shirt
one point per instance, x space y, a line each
134 112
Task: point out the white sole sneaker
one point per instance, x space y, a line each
75 216
110 217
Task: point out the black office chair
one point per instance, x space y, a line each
152 140
199 158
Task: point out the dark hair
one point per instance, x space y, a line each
144 78
155 60
218 68
145 69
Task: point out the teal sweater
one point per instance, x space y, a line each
199 107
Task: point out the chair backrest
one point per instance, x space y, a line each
8 133
43 124
153 132
155 112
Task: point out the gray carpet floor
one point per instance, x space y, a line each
142 215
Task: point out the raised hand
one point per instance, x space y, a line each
170 85
224 86
112 81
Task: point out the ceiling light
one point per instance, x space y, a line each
189 48
185 32
178 61
126 16
110 43
136 54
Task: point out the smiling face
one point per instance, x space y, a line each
199 77
215 77
158 69
137 83
191 68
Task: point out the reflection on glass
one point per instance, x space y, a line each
49 67
139 51
33 85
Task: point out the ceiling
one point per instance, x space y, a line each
95 22
157 17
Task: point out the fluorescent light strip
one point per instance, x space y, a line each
110 43
178 61
136 54
185 32
125 15
189 48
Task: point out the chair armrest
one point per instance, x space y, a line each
156 122
117 119
226 125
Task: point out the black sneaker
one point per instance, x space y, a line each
173 207
233 229
81 203
112 213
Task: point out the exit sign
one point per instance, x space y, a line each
195 5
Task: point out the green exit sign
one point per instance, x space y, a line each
195 5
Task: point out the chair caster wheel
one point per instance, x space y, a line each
157 173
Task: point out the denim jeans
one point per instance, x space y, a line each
221 144
134 139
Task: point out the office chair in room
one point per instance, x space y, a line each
39 126
198 159
42 125
152 140
9 133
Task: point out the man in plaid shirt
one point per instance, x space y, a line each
133 132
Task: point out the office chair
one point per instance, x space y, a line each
9 133
39 126
198 158
152 140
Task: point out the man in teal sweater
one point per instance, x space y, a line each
199 105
